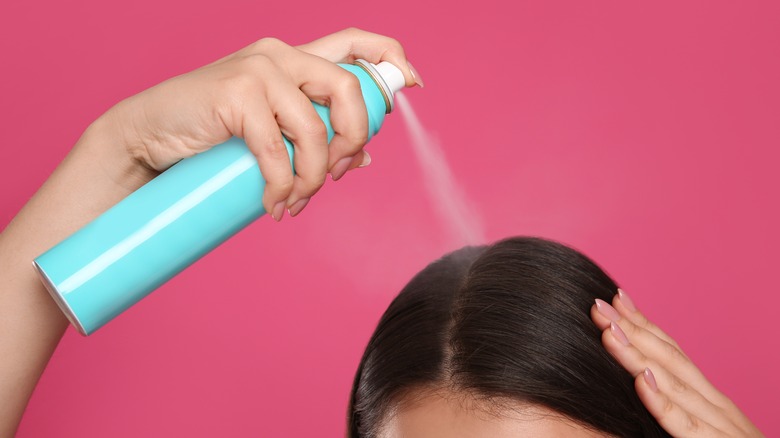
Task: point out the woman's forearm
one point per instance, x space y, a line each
258 93
95 175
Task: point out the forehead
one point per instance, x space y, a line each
445 415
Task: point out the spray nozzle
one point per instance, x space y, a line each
387 76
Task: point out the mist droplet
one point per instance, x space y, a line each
455 211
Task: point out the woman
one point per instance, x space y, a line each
504 341
258 93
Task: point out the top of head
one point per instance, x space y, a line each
388 77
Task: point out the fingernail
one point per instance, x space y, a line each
298 206
340 168
278 212
366 160
650 379
626 300
607 311
617 332
416 75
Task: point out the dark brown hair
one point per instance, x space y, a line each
506 321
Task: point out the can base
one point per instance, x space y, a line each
55 294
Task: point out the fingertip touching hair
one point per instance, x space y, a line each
505 321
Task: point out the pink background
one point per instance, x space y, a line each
643 133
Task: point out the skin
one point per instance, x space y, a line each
257 93
669 384
674 391
446 414
261 93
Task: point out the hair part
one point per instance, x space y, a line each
503 324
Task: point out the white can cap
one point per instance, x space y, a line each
387 76
393 76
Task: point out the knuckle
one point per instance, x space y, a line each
673 353
274 150
643 322
678 385
630 328
667 408
360 137
356 138
347 82
283 186
394 44
314 127
267 43
353 31
692 423
310 184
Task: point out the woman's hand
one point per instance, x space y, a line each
259 94
674 391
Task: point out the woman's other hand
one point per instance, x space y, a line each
260 93
671 387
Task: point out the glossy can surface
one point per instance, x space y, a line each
166 225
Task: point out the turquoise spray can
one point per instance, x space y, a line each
175 219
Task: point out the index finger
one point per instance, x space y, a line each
351 44
658 350
626 307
